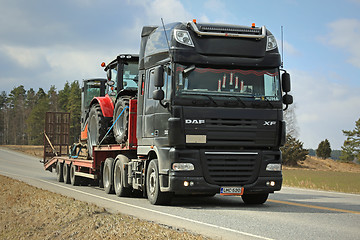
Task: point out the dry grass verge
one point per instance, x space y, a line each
27 212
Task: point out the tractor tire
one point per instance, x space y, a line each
255 199
120 128
154 195
97 128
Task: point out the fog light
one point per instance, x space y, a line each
273 167
191 183
270 183
183 166
186 183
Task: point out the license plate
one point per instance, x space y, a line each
231 191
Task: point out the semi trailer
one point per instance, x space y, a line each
201 115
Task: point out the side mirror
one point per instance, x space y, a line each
158 94
108 74
159 76
288 99
285 79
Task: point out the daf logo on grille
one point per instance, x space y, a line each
269 123
194 121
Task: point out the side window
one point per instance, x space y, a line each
111 90
167 85
150 83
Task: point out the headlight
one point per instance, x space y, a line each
271 43
183 166
274 167
183 37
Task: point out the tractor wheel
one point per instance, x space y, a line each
120 128
254 199
97 128
59 171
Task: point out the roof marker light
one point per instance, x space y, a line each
194 20
103 64
253 25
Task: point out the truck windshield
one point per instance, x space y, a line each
246 84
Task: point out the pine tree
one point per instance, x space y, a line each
36 119
293 151
324 150
351 148
74 107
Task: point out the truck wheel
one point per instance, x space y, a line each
66 175
75 180
120 177
108 177
97 128
258 198
59 171
154 195
120 128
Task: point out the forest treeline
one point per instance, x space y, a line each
22 113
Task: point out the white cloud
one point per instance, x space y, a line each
290 49
324 108
344 34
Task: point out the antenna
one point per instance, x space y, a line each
167 40
282 46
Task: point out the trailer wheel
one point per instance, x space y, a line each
75 180
108 176
59 171
121 188
154 195
120 128
97 128
66 171
258 198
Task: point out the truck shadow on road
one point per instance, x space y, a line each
287 205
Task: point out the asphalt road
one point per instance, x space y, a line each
289 214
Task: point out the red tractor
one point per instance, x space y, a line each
105 103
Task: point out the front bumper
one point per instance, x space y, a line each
198 185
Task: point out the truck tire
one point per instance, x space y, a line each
66 171
120 128
154 195
120 177
258 198
59 171
97 128
108 175
74 180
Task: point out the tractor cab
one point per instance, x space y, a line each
91 88
122 74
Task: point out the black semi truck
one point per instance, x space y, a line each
207 117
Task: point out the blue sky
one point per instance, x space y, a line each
44 43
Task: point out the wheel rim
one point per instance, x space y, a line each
92 131
120 122
152 182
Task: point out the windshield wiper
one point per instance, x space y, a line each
204 95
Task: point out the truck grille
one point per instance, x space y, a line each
230 168
237 132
